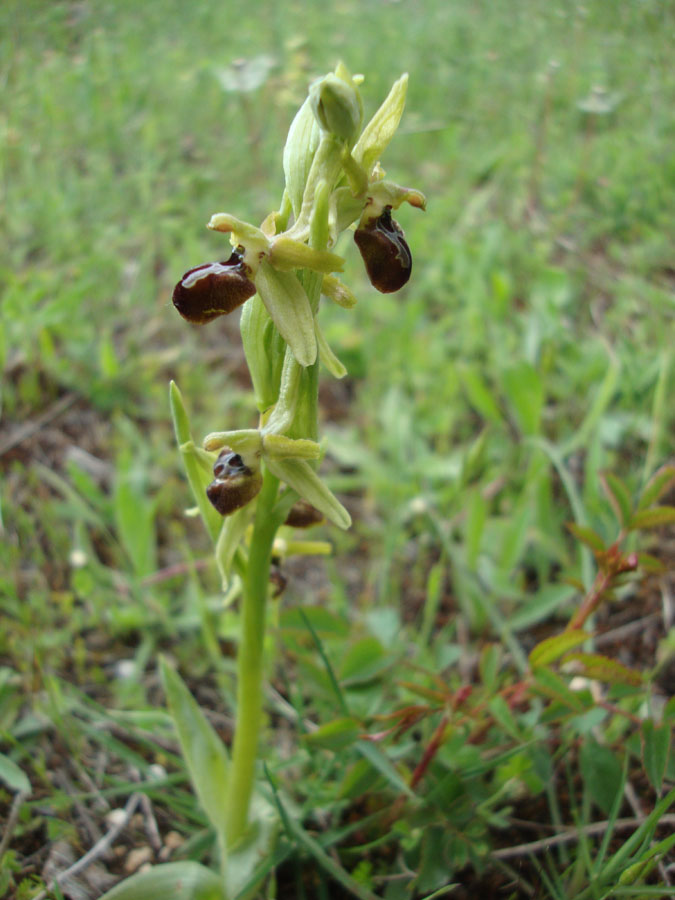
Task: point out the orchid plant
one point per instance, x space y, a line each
250 483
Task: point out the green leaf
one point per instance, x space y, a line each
242 870
204 752
380 761
602 773
288 306
14 777
135 514
587 536
476 516
602 668
297 834
618 495
197 477
551 685
335 735
554 647
480 396
653 518
177 880
363 661
525 391
657 486
655 751
541 605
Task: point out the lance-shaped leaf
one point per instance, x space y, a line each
203 751
183 880
382 127
300 476
288 305
199 475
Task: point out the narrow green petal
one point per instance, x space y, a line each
287 254
278 446
302 478
338 292
328 358
288 305
247 442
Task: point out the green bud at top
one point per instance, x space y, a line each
337 107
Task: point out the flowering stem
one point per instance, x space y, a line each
250 663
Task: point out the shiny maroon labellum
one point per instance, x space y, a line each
385 252
213 289
234 485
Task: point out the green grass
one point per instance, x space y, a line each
531 351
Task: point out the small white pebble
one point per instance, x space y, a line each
78 558
115 817
137 858
156 772
125 669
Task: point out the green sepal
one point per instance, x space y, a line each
198 475
288 306
382 127
231 535
302 478
301 145
287 254
257 335
184 880
278 446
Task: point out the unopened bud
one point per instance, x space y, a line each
213 289
337 107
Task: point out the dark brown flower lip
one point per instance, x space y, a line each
303 515
385 252
234 485
213 289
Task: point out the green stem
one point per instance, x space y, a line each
250 663
295 382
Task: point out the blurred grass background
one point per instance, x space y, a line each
531 350
536 331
